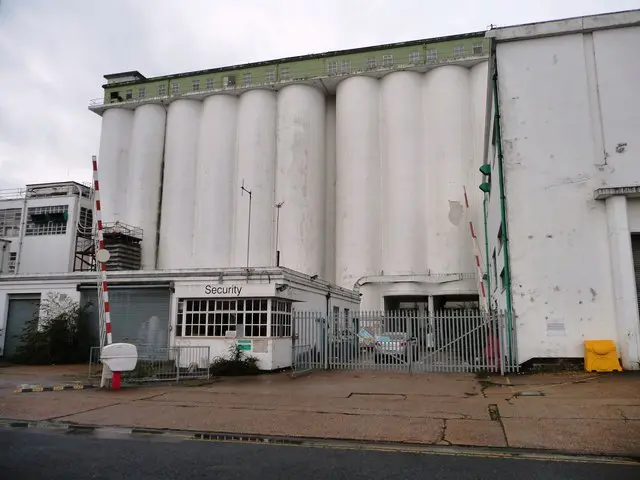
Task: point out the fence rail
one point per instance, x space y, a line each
447 341
160 364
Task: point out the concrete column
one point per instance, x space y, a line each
624 287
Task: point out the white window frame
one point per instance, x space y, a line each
284 73
213 318
162 90
477 46
431 56
458 51
175 88
195 85
209 84
142 92
345 66
270 76
332 67
372 63
415 57
387 60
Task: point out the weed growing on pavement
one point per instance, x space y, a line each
238 363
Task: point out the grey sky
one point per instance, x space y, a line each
53 54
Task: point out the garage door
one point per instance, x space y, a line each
21 309
635 247
138 315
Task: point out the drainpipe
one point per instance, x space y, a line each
503 208
23 227
486 253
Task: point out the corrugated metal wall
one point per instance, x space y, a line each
138 315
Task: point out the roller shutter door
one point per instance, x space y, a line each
138 315
635 247
22 308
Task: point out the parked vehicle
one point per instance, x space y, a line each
391 347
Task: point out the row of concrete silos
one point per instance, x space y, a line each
371 178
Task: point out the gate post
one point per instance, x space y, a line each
325 341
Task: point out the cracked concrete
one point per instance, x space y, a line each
583 413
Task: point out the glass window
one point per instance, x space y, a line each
50 220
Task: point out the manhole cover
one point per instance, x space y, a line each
379 396
530 393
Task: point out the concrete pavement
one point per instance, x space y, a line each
574 412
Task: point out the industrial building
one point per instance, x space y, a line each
355 174
565 158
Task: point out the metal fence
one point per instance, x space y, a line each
448 341
160 364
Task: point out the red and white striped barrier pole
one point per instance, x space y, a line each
115 381
476 252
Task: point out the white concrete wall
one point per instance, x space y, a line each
256 166
215 188
372 180
567 103
145 177
113 162
179 184
633 211
330 192
300 178
402 174
358 234
48 253
448 146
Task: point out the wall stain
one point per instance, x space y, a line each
594 294
455 212
621 147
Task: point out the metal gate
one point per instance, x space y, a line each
449 341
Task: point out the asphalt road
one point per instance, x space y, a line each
33 453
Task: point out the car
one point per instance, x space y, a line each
393 346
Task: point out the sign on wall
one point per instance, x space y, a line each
222 290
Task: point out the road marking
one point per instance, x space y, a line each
53 388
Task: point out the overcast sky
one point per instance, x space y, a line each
53 54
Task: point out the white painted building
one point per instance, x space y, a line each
367 152
569 130
210 308
45 228
357 163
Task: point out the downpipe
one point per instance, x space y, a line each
503 209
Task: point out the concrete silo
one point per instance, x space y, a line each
178 193
448 148
300 179
145 177
403 182
113 162
357 179
256 165
216 190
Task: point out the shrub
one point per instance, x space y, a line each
237 364
58 333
